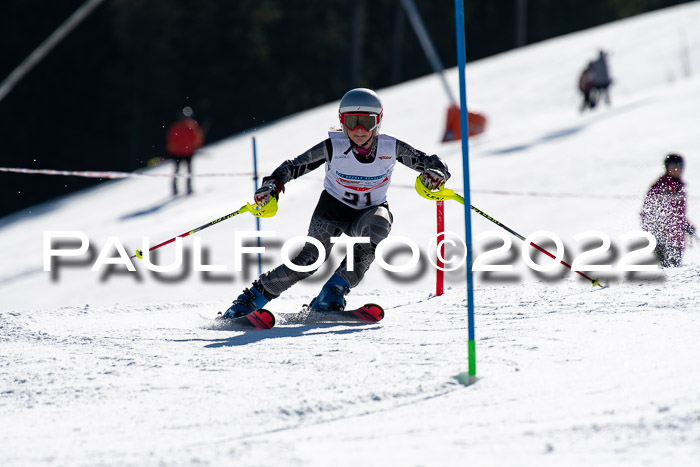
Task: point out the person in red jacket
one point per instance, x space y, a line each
183 139
664 213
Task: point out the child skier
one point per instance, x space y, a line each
358 162
664 213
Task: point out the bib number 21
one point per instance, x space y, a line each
354 198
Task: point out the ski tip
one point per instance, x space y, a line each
261 319
370 312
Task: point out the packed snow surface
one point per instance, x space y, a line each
109 367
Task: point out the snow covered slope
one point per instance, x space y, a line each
121 368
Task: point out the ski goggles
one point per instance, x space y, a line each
367 121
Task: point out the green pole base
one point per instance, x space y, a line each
471 350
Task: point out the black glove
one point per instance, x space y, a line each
432 179
269 188
690 229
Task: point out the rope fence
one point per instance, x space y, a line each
118 175
112 174
540 194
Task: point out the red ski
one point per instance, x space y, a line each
260 319
263 319
369 313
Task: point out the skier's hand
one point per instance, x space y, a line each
690 229
269 188
432 179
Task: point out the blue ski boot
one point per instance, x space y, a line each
332 296
247 302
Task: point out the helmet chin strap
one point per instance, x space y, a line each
366 147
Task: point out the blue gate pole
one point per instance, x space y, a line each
257 219
464 127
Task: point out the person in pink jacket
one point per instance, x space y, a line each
664 213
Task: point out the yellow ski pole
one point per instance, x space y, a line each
443 193
269 210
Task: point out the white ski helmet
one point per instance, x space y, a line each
361 100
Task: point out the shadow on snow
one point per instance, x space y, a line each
253 336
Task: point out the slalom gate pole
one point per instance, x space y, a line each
440 251
464 128
445 193
257 219
268 210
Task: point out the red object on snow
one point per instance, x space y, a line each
477 124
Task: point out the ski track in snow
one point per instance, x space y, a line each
125 369
108 357
565 365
